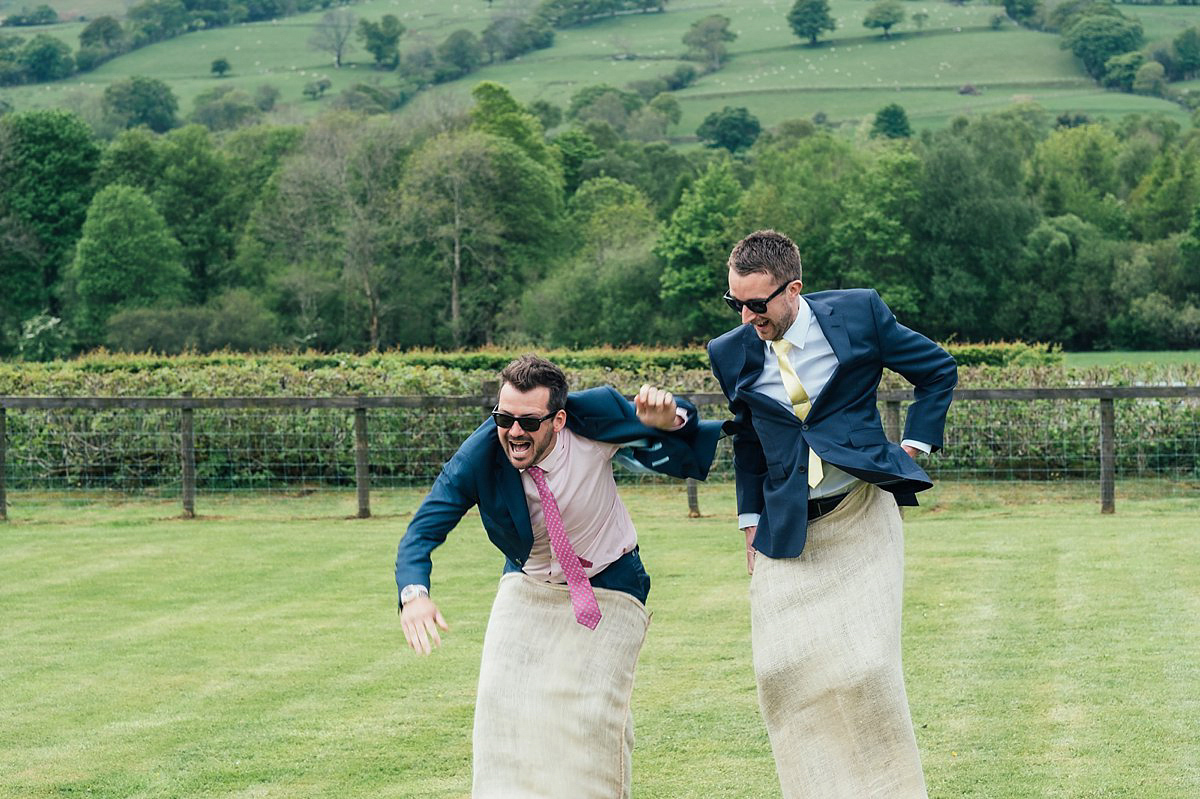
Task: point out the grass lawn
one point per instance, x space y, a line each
255 652
1114 358
849 76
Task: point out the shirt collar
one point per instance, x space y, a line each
557 455
797 334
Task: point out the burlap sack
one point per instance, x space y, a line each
552 718
826 639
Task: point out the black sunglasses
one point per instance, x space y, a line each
757 306
529 424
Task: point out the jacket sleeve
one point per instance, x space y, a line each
603 414
452 495
931 370
749 461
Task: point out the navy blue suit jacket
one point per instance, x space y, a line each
480 474
843 427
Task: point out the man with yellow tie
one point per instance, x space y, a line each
818 485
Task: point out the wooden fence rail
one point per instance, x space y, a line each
361 405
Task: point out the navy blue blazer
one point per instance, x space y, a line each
480 474
843 427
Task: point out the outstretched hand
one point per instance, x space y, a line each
656 408
421 619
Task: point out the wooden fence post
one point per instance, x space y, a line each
1108 456
891 420
187 455
362 463
3 460
693 499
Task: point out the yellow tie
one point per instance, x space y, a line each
800 403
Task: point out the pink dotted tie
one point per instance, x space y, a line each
583 598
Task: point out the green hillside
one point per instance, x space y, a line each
852 73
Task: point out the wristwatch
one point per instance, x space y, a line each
411 592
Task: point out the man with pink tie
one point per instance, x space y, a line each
552 715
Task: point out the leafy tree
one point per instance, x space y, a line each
236 320
315 88
140 100
47 159
42 15
103 31
155 20
607 292
576 148
496 112
1120 71
891 122
1059 288
461 53
225 108
968 227
546 112
694 247
11 70
510 36
870 240
809 18
1074 171
706 40
1095 38
134 158
920 18
126 258
1162 203
326 238
266 96
220 66
332 34
1150 79
884 14
382 39
489 215
1186 49
193 196
1021 11
801 186
732 128
46 58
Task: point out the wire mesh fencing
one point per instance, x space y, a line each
187 446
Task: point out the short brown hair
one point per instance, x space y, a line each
529 372
767 251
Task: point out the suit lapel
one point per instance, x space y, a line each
509 480
835 333
751 367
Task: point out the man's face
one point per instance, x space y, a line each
781 310
522 448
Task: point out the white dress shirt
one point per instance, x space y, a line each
815 362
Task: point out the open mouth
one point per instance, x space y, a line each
519 446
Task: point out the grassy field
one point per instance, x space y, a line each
849 76
1114 358
255 652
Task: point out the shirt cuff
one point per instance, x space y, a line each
681 418
747 520
921 445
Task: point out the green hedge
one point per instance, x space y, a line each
137 450
415 372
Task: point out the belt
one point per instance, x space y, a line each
819 507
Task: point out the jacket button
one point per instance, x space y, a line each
803 427
802 469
